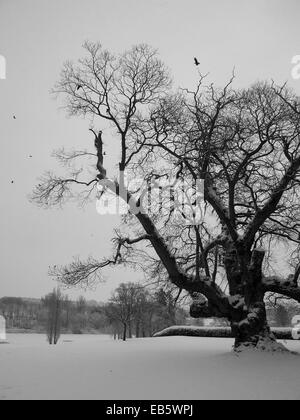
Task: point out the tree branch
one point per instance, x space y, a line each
263 214
286 287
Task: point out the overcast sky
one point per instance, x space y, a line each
258 37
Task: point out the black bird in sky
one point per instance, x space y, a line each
12 182
196 62
79 87
14 117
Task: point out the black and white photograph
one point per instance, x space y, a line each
150 203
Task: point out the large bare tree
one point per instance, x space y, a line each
243 144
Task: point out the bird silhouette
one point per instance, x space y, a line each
79 87
197 63
14 117
12 182
30 156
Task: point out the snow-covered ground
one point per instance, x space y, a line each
96 367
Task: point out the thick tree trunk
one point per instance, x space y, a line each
259 337
253 331
249 319
249 323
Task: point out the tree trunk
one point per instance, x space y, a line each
253 332
124 331
137 330
129 330
249 322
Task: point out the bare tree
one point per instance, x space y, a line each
243 144
123 306
53 303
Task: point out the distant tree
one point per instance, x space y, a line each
117 319
81 304
123 306
67 307
143 313
53 303
167 302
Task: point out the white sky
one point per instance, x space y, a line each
258 37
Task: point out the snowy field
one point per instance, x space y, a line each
96 367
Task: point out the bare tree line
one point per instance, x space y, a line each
132 311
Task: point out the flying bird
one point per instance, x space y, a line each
12 182
14 117
197 63
79 87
